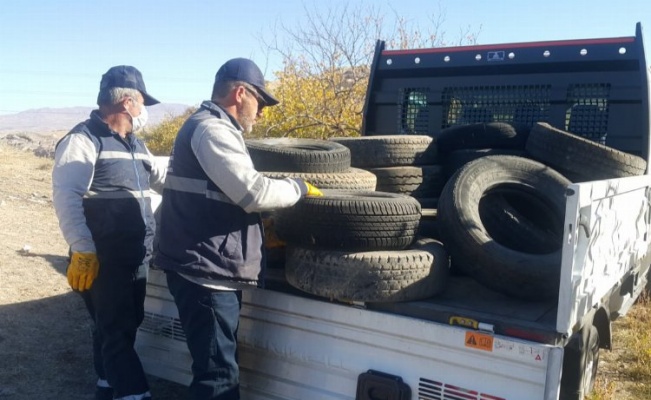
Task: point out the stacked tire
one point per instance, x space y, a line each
354 243
361 246
324 164
405 164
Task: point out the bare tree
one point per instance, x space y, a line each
326 59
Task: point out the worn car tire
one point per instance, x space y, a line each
516 224
425 181
389 150
373 276
515 273
298 155
579 159
355 221
496 135
353 179
458 158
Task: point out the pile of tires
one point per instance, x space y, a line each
493 193
405 164
501 212
501 218
460 144
354 243
361 246
324 164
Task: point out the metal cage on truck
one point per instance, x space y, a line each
596 88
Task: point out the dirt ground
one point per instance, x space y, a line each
45 340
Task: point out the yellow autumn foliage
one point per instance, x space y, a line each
315 105
160 138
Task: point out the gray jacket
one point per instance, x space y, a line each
101 192
210 222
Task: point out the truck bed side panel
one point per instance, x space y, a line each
606 238
296 348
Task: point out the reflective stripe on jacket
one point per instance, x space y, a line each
116 203
203 233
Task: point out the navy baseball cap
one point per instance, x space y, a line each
126 76
245 70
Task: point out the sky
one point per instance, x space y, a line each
53 52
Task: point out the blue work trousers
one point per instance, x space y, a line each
115 303
210 319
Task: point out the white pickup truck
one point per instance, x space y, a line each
467 343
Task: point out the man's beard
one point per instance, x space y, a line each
247 124
246 120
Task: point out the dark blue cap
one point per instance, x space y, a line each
126 76
245 70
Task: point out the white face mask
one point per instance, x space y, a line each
140 121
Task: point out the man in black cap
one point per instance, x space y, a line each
211 235
101 180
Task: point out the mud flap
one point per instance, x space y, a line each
376 385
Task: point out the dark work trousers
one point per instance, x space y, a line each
115 302
210 319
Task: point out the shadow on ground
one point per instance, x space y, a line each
46 350
58 263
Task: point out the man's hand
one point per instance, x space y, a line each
313 191
82 271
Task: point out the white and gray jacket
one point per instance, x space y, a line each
101 193
210 214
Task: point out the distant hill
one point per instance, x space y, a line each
52 120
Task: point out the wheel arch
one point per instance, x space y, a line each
601 321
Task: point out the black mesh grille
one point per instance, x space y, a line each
414 113
522 105
587 115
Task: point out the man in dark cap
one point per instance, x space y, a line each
211 235
101 180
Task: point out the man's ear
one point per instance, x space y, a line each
124 101
238 94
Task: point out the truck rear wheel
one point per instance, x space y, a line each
580 364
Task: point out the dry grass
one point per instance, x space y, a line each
625 373
634 335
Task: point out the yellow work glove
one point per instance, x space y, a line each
82 270
313 191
